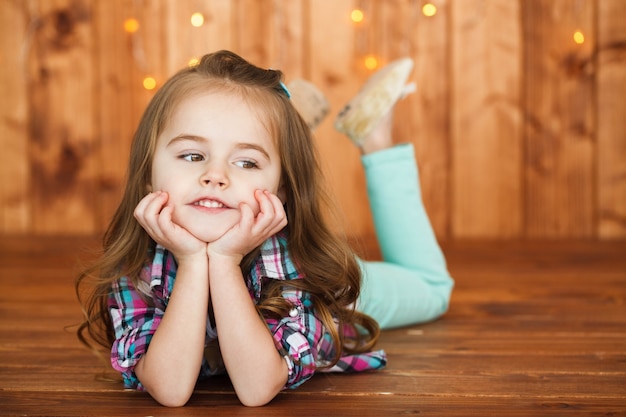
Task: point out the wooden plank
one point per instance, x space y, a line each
251 30
271 34
559 125
287 38
486 119
611 119
429 115
185 41
421 118
149 50
61 131
118 113
337 69
533 329
290 403
15 213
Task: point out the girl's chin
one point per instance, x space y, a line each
206 227
208 237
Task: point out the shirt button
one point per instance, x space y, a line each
293 312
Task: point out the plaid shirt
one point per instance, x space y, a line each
300 337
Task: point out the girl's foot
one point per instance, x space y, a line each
367 118
310 102
380 137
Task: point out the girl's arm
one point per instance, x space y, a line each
254 365
169 369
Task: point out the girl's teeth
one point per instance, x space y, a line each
210 204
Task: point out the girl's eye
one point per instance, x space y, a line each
246 164
192 157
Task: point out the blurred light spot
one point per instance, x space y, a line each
579 38
429 9
357 16
197 19
131 25
371 62
149 83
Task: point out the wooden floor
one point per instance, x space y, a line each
534 329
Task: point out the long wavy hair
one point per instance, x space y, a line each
332 275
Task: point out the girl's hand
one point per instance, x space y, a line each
155 217
251 231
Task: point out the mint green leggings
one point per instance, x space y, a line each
412 283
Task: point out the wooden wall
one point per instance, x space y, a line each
520 131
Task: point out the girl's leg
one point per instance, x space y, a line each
412 283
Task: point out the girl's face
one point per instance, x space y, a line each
212 155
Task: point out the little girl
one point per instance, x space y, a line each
222 231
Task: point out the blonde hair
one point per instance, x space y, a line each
332 275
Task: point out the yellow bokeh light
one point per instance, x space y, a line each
357 16
579 38
370 62
197 19
149 83
429 9
193 62
131 25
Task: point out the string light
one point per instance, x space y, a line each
429 10
193 62
131 25
149 83
579 38
357 16
370 62
197 19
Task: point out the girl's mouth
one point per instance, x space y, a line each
209 204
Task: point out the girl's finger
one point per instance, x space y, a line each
247 216
279 217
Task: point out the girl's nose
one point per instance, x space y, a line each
215 175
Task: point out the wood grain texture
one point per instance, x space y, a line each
534 328
519 132
611 121
15 212
560 119
62 152
486 119
429 115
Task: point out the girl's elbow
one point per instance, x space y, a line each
171 396
256 399
258 396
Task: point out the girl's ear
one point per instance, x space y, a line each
149 188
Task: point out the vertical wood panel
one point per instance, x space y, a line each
486 121
422 118
338 72
62 118
252 30
559 118
117 115
430 116
72 104
184 41
287 40
14 157
611 118
150 51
